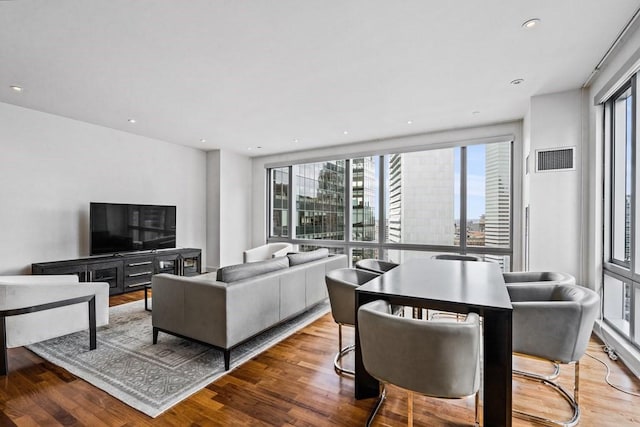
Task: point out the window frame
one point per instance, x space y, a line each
614 268
381 245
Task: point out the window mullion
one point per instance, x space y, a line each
463 200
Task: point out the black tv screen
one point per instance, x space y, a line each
118 227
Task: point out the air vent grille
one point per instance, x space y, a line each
561 159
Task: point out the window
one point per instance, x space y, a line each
401 205
621 284
279 190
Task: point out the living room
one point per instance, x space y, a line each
110 109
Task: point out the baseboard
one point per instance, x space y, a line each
628 354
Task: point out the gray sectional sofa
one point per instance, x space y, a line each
226 308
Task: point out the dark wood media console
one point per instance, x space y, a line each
129 271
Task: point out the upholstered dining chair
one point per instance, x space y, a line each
553 323
375 265
456 257
433 358
341 285
452 257
538 277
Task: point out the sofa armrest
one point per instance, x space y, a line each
190 306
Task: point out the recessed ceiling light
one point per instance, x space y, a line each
16 88
517 81
203 140
131 120
531 23
249 148
346 132
295 140
409 122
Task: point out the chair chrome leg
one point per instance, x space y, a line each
342 351
552 376
376 408
572 400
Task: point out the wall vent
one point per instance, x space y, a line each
557 159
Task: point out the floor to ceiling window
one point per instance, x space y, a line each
401 205
621 284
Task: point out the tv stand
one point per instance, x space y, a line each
128 271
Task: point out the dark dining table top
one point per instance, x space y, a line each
471 284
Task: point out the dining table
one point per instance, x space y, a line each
456 287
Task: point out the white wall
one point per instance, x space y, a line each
229 197
52 167
496 132
555 235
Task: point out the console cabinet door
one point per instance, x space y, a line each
169 263
107 271
79 270
190 263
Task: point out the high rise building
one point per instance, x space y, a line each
421 199
498 199
319 209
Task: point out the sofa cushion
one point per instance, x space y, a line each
304 257
233 273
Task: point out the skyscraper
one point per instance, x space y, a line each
498 199
421 199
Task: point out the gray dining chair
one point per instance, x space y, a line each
375 265
538 277
452 257
433 358
553 323
456 257
341 286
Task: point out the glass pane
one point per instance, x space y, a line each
307 248
420 203
621 215
363 253
489 195
279 202
320 200
617 303
400 256
365 173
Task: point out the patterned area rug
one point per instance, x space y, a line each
153 378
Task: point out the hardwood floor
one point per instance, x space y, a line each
291 384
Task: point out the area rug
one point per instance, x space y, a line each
153 378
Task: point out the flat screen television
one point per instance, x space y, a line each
119 227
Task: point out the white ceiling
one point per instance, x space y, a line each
265 73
